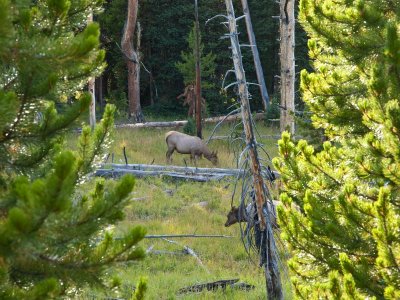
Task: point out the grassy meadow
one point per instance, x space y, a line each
147 146
167 206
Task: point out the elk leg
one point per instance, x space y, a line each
168 154
193 157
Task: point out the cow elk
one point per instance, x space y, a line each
187 144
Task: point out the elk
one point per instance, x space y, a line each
187 144
248 214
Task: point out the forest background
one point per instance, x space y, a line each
165 32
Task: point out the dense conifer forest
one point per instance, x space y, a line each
165 33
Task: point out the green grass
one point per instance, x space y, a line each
172 207
166 206
148 146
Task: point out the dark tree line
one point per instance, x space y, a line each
165 29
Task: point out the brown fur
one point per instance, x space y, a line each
235 216
241 214
187 144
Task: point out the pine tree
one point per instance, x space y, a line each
162 47
55 237
341 214
188 63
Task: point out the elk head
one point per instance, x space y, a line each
213 157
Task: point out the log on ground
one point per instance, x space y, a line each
173 124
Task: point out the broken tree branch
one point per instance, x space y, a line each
163 236
191 252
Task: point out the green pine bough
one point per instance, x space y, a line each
54 222
343 231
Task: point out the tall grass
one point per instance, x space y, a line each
166 206
146 146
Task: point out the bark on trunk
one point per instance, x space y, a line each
151 90
133 64
99 91
198 75
91 89
287 26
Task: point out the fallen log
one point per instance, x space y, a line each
213 286
258 116
203 177
176 171
186 170
153 124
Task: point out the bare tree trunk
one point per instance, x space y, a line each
91 88
272 274
198 74
133 63
151 89
256 56
287 26
99 91
92 107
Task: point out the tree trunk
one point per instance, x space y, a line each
256 56
91 89
151 89
272 274
287 26
198 74
92 107
100 92
133 63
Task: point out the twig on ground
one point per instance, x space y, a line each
189 251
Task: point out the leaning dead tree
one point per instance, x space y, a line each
256 56
287 27
254 187
133 62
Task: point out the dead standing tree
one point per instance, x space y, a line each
287 27
269 257
190 100
198 75
133 62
